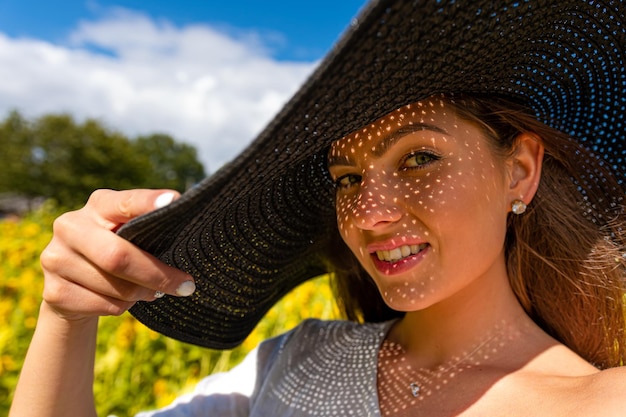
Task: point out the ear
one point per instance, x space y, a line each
525 167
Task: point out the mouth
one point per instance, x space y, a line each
400 253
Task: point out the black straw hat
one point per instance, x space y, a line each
260 225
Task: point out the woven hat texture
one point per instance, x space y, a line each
260 225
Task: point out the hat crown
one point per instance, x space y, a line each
261 224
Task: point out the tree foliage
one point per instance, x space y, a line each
55 157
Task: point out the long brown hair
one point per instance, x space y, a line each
565 255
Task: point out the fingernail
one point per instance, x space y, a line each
163 200
186 289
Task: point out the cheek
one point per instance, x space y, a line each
344 209
470 208
455 191
346 223
419 193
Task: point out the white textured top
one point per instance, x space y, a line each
320 368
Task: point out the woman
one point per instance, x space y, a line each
486 248
435 202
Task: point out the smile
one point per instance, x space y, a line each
399 253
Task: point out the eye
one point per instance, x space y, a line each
347 181
420 159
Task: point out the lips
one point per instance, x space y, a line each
400 253
394 260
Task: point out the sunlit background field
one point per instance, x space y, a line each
142 94
136 368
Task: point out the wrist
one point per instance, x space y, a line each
57 318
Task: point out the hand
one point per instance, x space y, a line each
90 271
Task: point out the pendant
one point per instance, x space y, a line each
415 389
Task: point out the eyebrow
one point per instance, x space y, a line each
387 142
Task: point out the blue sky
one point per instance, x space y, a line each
190 69
308 28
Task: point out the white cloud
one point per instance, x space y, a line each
204 86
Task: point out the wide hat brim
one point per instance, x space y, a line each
261 225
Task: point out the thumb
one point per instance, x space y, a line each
164 199
115 208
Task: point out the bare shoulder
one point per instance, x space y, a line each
607 391
597 393
593 392
612 377
561 383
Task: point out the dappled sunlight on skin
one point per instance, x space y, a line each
451 386
421 202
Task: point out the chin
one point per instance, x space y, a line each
405 299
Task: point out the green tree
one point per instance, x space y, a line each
54 157
16 141
173 165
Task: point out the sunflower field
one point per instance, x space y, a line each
136 368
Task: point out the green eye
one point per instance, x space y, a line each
347 181
420 159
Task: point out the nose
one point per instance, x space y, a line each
376 207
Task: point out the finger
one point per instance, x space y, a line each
114 208
110 254
73 301
76 270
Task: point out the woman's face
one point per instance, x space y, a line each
422 202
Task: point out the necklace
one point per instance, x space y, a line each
416 388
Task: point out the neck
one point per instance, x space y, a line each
462 324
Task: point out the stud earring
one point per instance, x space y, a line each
518 207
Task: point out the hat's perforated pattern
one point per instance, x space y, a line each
259 226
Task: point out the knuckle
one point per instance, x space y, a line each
114 260
50 259
124 208
119 308
54 292
97 196
66 224
61 223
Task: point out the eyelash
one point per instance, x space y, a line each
340 183
352 178
432 157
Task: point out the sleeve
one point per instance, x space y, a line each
225 394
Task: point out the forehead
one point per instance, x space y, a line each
426 111
432 114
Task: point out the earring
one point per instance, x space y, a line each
518 207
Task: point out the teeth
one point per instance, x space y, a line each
397 254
